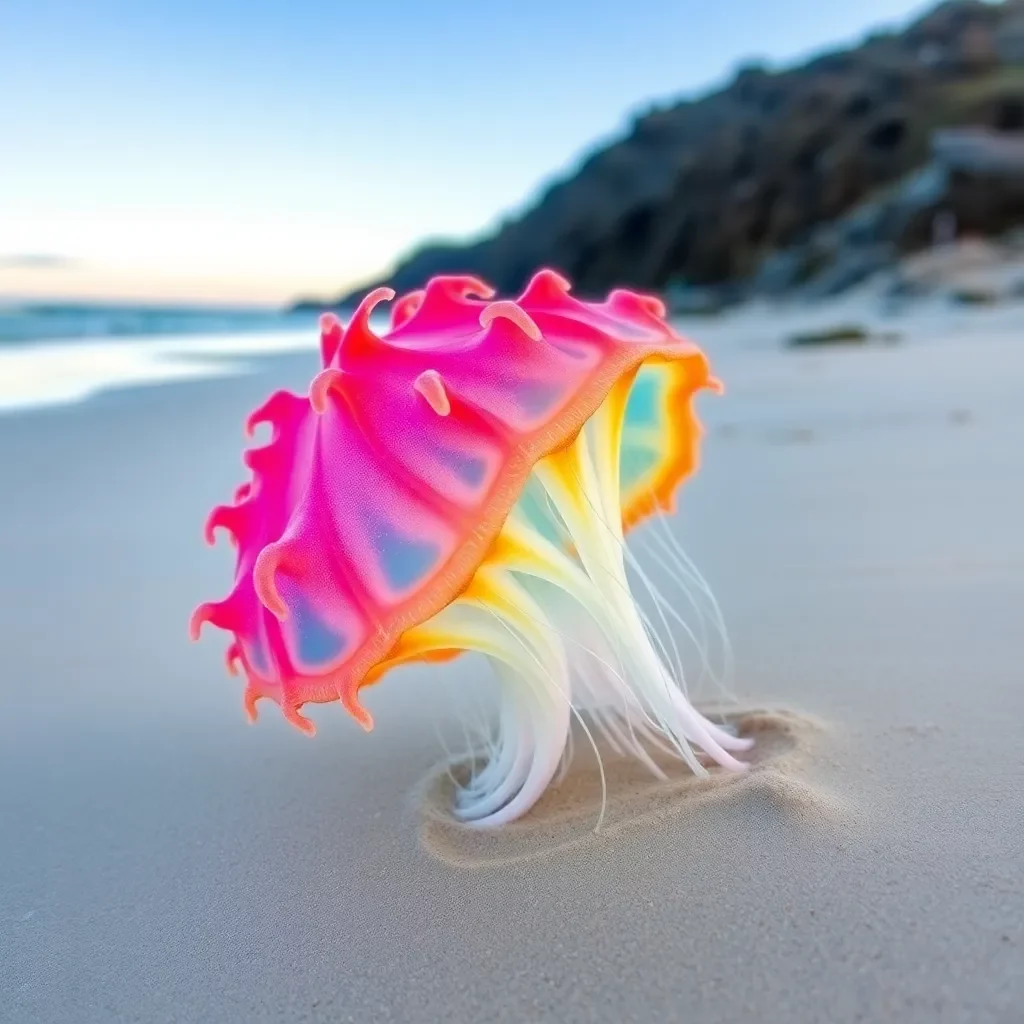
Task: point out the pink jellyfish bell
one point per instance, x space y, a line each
463 483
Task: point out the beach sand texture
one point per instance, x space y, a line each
859 518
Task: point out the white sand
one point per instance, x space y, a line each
859 516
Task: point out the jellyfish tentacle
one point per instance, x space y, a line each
545 288
508 310
331 333
232 657
231 518
570 620
279 407
537 681
566 763
330 380
535 715
570 478
606 704
684 567
539 558
404 308
547 729
512 769
430 384
613 723
523 549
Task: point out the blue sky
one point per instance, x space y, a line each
218 149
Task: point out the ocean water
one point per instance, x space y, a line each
33 376
53 354
34 322
56 355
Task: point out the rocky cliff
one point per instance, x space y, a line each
722 190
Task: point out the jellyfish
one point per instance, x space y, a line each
464 482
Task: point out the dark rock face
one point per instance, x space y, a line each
702 193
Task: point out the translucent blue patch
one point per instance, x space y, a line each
536 398
404 561
468 468
643 404
636 462
318 643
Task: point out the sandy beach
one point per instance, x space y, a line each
859 518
